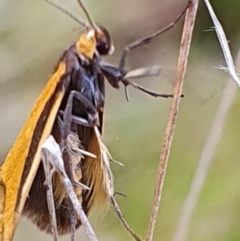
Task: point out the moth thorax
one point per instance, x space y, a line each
86 45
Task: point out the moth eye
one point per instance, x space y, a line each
104 42
102 47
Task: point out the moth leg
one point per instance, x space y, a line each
68 117
114 77
66 128
75 119
121 217
137 86
148 39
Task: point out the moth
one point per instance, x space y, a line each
71 110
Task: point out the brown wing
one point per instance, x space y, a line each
83 77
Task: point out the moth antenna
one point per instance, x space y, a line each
66 11
89 18
120 194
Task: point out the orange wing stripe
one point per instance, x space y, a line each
13 167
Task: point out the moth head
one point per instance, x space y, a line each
104 41
97 39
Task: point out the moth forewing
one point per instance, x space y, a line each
20 166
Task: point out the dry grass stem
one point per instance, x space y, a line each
224 45
181 70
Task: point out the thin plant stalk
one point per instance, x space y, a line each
224 45
181 70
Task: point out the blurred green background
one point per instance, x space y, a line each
33 35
